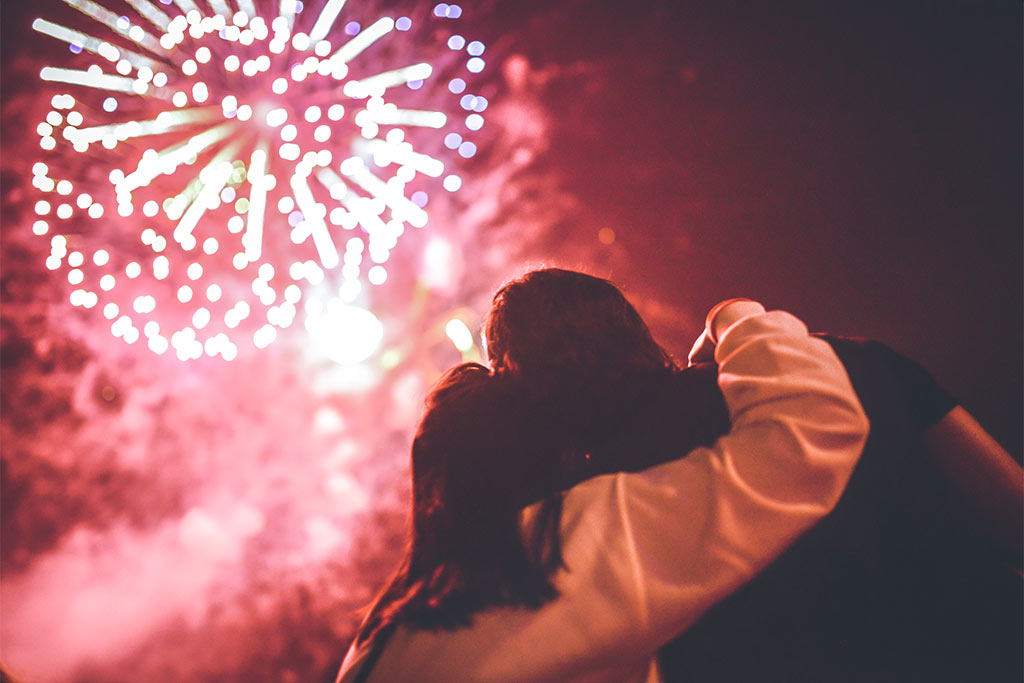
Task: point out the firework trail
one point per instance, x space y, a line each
215 171
170 516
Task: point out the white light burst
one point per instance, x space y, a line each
217 169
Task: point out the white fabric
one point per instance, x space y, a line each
648 552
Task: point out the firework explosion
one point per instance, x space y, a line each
211 176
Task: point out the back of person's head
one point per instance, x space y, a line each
583 351
476 450
563 321
477 460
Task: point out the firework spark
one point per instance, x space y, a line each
216 171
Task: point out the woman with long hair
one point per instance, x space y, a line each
508 577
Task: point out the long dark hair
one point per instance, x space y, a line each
477 460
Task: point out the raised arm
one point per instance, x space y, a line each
695 529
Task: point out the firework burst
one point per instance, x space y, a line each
212 172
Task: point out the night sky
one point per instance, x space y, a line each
859 164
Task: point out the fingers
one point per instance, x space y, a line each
721 316
702 351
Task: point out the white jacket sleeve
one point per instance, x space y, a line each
663 545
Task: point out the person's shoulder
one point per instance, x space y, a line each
859 346
887 380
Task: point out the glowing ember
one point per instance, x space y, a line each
234 164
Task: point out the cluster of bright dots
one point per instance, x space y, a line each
275 181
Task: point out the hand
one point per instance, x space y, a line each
702 351
720 318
